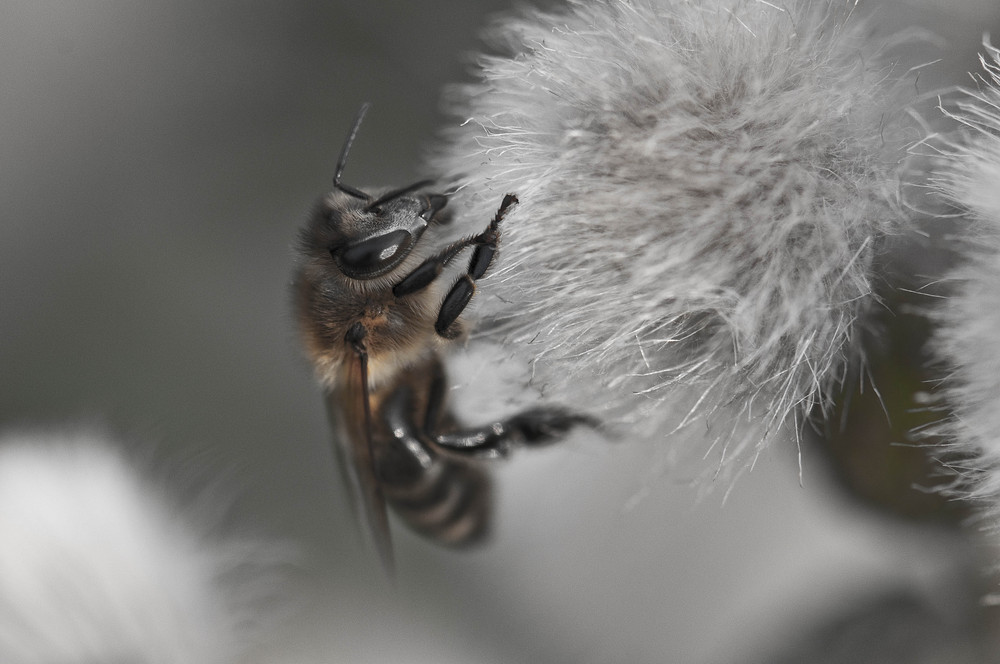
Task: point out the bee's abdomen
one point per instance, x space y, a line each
446 500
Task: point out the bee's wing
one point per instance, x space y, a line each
349 408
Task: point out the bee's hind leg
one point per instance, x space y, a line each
535 426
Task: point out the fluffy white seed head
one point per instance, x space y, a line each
97 566
968 339
703 190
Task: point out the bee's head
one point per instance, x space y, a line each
369 235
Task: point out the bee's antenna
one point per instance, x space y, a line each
343 157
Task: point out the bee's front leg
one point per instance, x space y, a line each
464 288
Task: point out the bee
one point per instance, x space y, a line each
376 312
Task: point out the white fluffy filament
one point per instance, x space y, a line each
968 339
703 190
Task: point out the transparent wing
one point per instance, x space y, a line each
349 409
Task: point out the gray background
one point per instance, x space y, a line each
157 160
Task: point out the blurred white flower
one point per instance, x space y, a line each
97 566
703 192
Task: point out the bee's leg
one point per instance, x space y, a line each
408 458
482 257
462 291
535 426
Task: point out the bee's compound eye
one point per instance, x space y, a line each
375 256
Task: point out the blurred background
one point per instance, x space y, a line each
157 161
